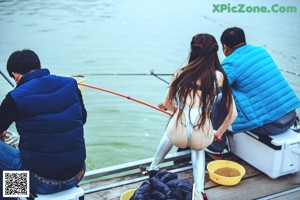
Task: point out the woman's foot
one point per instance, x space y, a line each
198 195
204 196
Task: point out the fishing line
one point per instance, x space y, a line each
124 74
160 74
157 76
290 72
124 96
7 79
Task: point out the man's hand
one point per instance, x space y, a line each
3 135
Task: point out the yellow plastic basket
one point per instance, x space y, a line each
127 195
225 180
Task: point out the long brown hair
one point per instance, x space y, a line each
201 72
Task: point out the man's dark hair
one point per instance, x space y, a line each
23 62
231 37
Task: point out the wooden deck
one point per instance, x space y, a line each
254 185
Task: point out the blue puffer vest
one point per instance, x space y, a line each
261 93
50 124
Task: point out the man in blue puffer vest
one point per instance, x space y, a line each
49 114
265 102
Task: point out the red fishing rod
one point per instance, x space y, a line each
127 97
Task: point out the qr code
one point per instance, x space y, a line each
15 183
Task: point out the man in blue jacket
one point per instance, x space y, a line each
265 102
49 114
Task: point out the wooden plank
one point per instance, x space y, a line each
291 196
116 192
255 187
288 194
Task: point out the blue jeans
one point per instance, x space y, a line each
10 160
218 115
41 185
279 126
218 112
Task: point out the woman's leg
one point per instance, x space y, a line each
198 163
164 147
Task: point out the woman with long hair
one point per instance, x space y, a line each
191 97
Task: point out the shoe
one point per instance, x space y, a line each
296 126
198 195
152 173
210 156
204 196
219 148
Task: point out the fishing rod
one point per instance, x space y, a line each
108 91
7 79
124 96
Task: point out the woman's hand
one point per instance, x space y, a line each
217 137
161 106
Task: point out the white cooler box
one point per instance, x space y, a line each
274 155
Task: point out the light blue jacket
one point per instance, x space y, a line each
261 93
